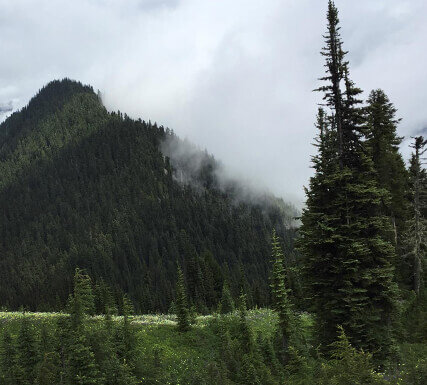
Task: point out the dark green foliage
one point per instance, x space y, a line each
345 233
27 356
415 319
383 143
348 366
413 370
209 353
279 293
82 368
81 365
127 336
181 303
415 238
244 359
248 372
226 304
80 187
83 291
246 338
104 299
9 367
49 372
91 192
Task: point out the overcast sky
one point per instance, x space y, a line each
234 76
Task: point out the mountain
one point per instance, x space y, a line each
82 187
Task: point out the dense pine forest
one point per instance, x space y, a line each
85 188
126 258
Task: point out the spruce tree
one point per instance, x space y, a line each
9 369
49 369
279 293
83 290
181 303
115 363
245 337
383 144
127 334
344 233
334 56
226 304
417 224
27 352
82 368
81 365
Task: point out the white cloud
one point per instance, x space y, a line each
233 76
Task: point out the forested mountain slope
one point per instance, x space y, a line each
80 186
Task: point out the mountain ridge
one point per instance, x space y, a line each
80 186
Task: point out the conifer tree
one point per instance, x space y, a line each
116 370
334 56
383 144
45 345
349 366
279 293
417 224
104 300
196 292
83 290
348 258
226 348
243 285
27 352
48 372
181 303
248 371
81 365
8 369
63 338
127 335
226 304
246 338
82 369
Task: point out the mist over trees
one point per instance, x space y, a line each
104 218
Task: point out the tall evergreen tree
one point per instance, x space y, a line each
417 223
226 304
49 369
246 338
9 368
118 356
81 365
383 143
82 368
27 352
181 303
348 259
334 56
127 335
279 293
83 291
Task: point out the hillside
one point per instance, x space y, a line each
80 186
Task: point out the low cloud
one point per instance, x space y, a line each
6 107
197 168
233 76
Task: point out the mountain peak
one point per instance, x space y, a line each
58 91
